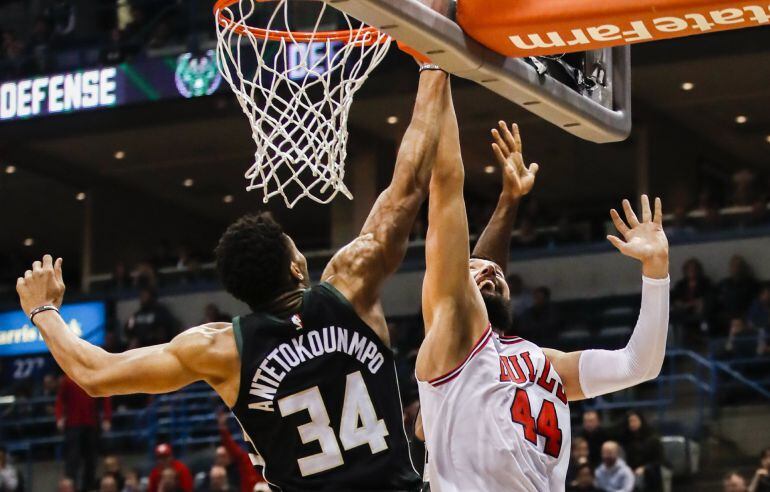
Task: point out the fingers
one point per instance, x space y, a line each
510 141
646 213
499 155
534 168
58 270
501 143
47 262
517 138
618 222
630 215
37 266
617 242
658 212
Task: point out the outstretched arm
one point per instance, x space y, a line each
518 180
199 354
597 372
359 269
454 311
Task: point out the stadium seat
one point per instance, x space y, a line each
682 455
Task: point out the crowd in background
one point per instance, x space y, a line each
50 35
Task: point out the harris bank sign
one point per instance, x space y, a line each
19 337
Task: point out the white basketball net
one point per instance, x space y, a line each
297 97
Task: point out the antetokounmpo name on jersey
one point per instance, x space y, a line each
278 363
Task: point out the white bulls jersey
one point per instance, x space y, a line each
498 422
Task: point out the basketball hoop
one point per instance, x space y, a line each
296 87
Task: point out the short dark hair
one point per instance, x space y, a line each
545 291
584 466
253 259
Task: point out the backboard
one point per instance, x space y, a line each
601 114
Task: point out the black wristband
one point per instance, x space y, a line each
38 310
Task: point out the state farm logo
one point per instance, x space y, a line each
579 38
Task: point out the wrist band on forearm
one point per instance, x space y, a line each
38 310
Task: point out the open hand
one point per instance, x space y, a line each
518 180
42 285
645 240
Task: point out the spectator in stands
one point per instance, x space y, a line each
578 457
132 482
743 192
169 481
12 52
38 44
61 13
180 476
108 484
734 482
112 467
679 226
761 480
759 312
212 314
218 480
584 480
77 415
152 324
121 280
735 293
50 389
145 276
595 435
644 452
691 297
66 484
709 207
758 215
9 475
521 297
614 475
541 322
527 234
743 340
236 462
113 52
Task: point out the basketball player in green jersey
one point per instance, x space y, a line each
308 373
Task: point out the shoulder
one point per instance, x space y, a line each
209 343
354 257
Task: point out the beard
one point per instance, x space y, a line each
499 311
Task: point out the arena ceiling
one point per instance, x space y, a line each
208 141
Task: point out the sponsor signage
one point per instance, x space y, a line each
20 337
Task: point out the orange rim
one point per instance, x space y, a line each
370 34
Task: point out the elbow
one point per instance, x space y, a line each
654 371
453 177
88 382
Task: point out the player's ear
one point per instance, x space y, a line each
296 272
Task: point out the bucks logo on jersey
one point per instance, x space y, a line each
197 76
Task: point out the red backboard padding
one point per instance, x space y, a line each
540 27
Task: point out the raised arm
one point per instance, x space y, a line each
359 269
204 353
454 311
518 180
597 372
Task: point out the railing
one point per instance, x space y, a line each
187 418
707 376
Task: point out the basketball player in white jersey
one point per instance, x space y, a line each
494 408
